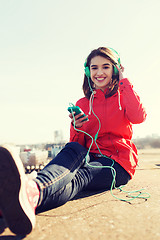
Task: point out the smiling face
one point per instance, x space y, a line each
101 70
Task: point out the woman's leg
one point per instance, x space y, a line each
103 175
57 198
20 212
93 177
59 172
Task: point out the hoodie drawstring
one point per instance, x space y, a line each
90 103
119 100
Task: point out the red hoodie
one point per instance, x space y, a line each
116 114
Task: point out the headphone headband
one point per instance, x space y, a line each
116 53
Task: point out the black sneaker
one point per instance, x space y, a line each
15 205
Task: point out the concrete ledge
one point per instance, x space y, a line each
100 216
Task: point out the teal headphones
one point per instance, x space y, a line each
87 71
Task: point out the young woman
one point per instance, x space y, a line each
100 151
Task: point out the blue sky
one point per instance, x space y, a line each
43 46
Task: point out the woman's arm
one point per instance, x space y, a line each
76 136
76 127
134 109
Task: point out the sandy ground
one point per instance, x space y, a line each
101 216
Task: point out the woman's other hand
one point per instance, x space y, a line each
120 70
78 121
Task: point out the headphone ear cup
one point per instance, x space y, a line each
87 72
115 70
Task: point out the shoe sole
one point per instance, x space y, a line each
14 203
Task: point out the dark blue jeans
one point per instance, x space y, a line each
68 174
